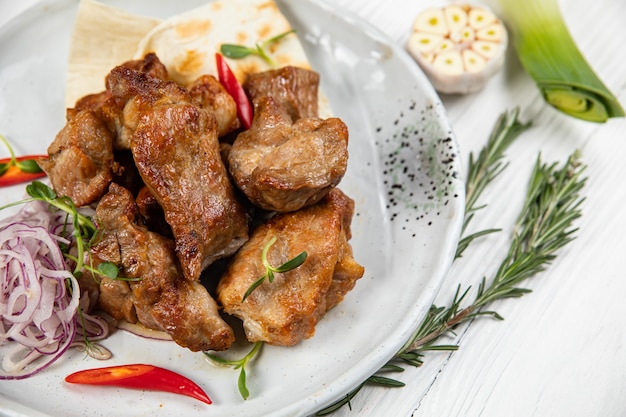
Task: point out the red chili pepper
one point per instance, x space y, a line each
20 169
230 83
140 376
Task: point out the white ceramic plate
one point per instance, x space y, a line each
404 174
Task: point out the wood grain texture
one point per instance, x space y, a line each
561 349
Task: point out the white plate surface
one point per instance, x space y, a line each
404 175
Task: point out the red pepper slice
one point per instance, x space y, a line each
25 170
140 376
230 83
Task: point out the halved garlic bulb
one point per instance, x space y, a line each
459 47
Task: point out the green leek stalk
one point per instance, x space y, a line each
549 55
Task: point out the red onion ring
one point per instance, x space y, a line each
39 295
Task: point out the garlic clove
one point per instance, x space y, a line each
425 42
492 33
456 17
473 62
432 21
480 18
487 49
449 63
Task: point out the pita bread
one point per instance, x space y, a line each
187 43
103 37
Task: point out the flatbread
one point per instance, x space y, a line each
103 37
187 43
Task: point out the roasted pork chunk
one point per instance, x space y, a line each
286 310
110 110
175 147
284 166
150 64
296 89
80 161
162 299
209 93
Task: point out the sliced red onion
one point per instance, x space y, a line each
39 295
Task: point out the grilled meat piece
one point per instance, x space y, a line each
80 161
209 93
150 64
286 310
162 299
152 213
110 110
175 147
91 101
126 173
294 88
282 166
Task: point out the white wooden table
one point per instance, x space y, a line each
561 350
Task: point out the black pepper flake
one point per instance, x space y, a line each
412 159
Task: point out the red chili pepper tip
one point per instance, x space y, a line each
230 83
26 170
140 376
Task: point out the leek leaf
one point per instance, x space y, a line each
550 56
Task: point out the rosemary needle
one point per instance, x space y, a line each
483 169
544 225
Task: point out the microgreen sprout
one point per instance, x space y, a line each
270 270
105 269
238 364
25 165
84 228
234 51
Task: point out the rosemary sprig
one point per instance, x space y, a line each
483 169
238 364
543 227
271 270
235 51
